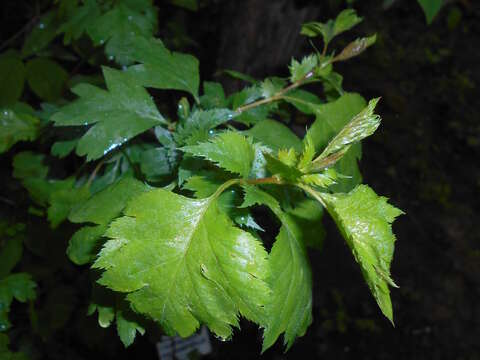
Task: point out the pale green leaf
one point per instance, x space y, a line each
359 127
117 114
127 328
289 310
365 219
330 119
46 78
229 150
187 268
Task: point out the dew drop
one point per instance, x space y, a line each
102 41
210 132
111 57
230 116
41 26
242 218
124 67
130 17
5 113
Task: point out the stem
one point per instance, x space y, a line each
312 193
277 96
95 171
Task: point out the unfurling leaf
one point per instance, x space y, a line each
301 70
188 268
355 48
345 21
362 125
365 219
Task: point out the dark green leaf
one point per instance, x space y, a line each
12 78
46 78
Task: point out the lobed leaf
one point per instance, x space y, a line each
190 267
117 114
365 219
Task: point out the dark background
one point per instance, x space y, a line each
424 158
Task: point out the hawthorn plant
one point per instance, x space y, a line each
168 201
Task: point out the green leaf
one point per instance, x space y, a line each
330 119
29 165
365 219
275 135
187 268
107 204
300 70
62 149
279 168
16 286
10 254
271 86
46 78
158 163
63 197
304 101
345 21
246 96
42 34
240 76
289 309
308 215
362 125
84 244
79 20
430 8
123 25
213 96
100 209
198 126
17 123
117 114
162 69
12 78
229 150
127 328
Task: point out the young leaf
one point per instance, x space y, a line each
161 68
345 21
304 101
190 267
213 96
122 25
362 125
117 114
330 119
355 48
286 172
365 219
229 150
289 309
300 70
